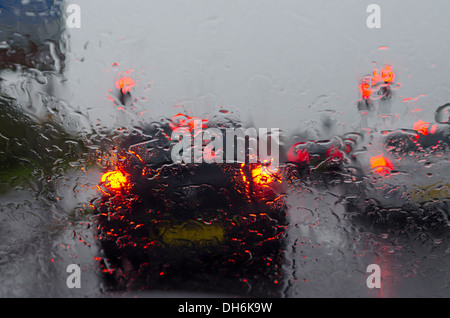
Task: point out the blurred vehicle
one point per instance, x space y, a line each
401 188
201 226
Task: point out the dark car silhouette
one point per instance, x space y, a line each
198 226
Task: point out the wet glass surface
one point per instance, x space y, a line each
86 140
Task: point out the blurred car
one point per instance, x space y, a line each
406 184
322 161
200 226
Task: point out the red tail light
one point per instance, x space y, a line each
381 164
371 84
125 84
424 127
114 180
263 175
191 123
365 89
334 154
300 156
387 74
261 182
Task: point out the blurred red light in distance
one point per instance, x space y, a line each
334 153
423 127
364 89
125 84
387 74
301 155
183 121
262 175
381 164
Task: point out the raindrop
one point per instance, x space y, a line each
442 114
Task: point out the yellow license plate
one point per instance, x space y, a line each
433 192
190 233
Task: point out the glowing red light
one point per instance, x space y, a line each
334 154
114 180
365 89
183 121
370 83
376 78
424 127
387 74
262 175
381 164
301 155
125 84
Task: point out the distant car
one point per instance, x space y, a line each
322 161
406 181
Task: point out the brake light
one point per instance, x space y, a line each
365 89
125 84
263 175
387 74
371 84
301 155
424 127
381 164
183 121
334 154
114 180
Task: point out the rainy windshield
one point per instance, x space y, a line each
228 148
